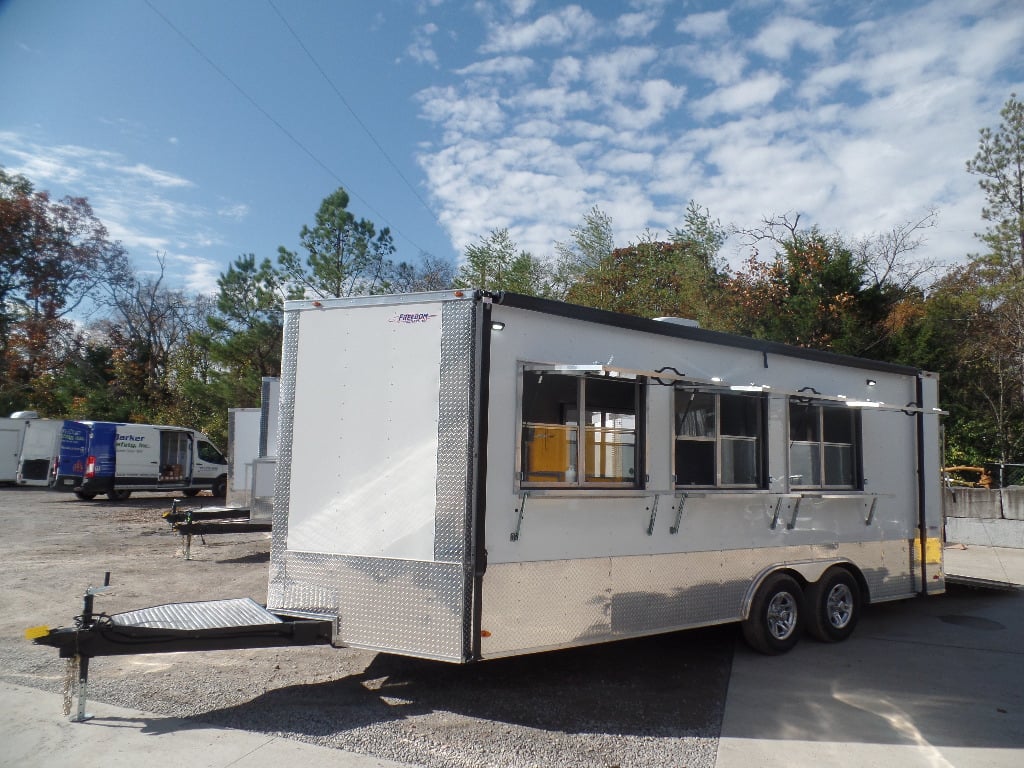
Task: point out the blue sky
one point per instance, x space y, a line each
204 130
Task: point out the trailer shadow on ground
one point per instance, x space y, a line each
667 686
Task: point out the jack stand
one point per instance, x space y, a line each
86 621
83 683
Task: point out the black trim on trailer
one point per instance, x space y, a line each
483 374
618 320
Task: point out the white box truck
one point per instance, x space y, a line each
104 457
466 476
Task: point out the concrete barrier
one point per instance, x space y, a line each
985 517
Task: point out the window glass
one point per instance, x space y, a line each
719 439
558 448
824 448
210 454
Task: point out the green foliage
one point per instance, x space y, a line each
497 264
343 256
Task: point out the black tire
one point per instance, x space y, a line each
118 495
85 496
833 606
775 622
220 487
190 492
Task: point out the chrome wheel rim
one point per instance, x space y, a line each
782 615
839 606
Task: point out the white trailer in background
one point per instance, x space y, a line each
39 451
12 435
466 476
252 453
243 448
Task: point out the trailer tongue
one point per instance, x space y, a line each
212 625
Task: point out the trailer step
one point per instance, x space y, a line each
209 614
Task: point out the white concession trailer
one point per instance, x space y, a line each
464 475
467 476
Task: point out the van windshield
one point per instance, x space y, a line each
210 454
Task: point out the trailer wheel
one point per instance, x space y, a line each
833 604
118 495
220 487
776 615
85 496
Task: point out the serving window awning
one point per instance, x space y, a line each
671 376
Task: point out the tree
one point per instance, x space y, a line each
999 163
590 244
497 264
344 256
997 284
54 255
824 292
682 277
433 273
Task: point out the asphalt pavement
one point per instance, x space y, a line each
927 682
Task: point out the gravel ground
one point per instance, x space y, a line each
650 702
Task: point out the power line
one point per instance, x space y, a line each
348 106
279 126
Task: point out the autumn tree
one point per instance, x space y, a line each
54 255
679 277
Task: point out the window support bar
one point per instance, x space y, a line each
654 515
778 510
796 511
679 515
519 516
871 512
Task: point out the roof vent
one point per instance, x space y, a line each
679 321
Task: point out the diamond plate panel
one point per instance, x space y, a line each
210 614
402 606
283 475
455 428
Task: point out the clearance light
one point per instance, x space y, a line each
497 325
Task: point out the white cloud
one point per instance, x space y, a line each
756 91
421 48
868 128
782 35
636 24
710 24
571 23
515 66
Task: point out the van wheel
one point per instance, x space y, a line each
833 605
118 495
776 615
220 487
85 496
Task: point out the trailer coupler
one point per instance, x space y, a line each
213 625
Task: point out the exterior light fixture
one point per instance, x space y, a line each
497 325
871 382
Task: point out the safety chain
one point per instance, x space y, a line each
70 678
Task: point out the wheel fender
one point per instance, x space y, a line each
807 572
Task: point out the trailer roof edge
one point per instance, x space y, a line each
632 322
